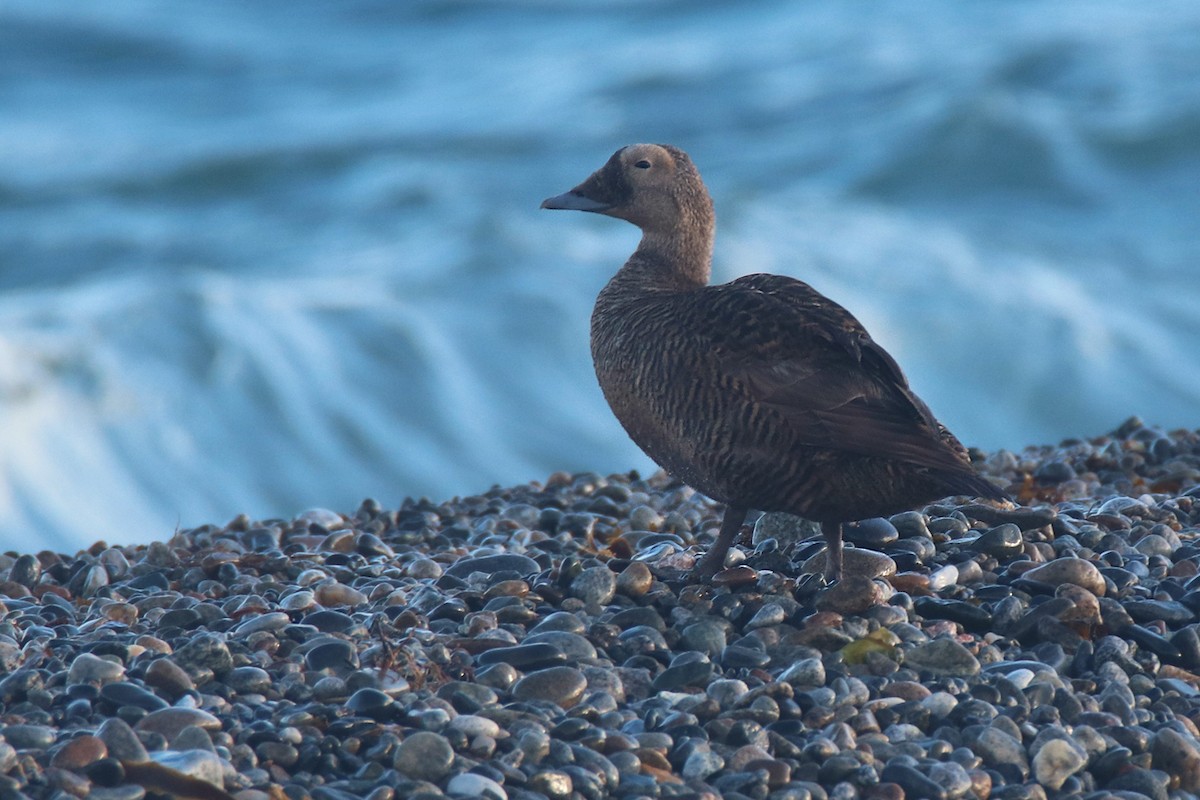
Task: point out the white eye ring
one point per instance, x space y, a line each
643 164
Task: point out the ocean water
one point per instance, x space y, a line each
260 257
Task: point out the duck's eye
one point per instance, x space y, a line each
643 164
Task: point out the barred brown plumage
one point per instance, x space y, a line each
761 392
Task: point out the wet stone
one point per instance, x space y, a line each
635 580
471 785
205 652
79 752
942 657
1057 760
130 694
332 654
525 657
170 721
1078 571
505 562
121 740
88 668
690 673
870 533
1178 755
29 737
170 677
595 586
424 755
563 686
853 594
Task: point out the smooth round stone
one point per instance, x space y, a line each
469 784
302 600
473 725
1177 755
786 528
805 672
26 571
370 702
909 524
425 756
705 636
559 621
595 586
870 533
998 749
332 654
89 668
500 677
689 673
1002 541
736 657
280 753
971 617
203 765
121 740
912 781
639 615
1057 760
635 580
942 578
942 657
329 621
769 614
1151 783
130 694
170 721
853 594
79 753
700 764
477 693
1069 569
29 737
563 686
170 677
856 563
604 679
424 569
726 690
574 646
489 565
554 784
185 618
1171 612
524 656
205 651
338 594
1154 545
248 680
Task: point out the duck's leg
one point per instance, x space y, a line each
714 559
833 551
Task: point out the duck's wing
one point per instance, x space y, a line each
805 358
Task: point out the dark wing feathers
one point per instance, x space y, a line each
810 361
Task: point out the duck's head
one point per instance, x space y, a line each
651 185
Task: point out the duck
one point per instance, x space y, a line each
760 393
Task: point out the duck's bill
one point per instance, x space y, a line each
573 201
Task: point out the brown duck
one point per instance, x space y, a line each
761 392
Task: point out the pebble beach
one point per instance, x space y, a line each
543 642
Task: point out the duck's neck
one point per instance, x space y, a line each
675 258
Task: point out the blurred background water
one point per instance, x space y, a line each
259 257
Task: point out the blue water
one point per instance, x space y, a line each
259 257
